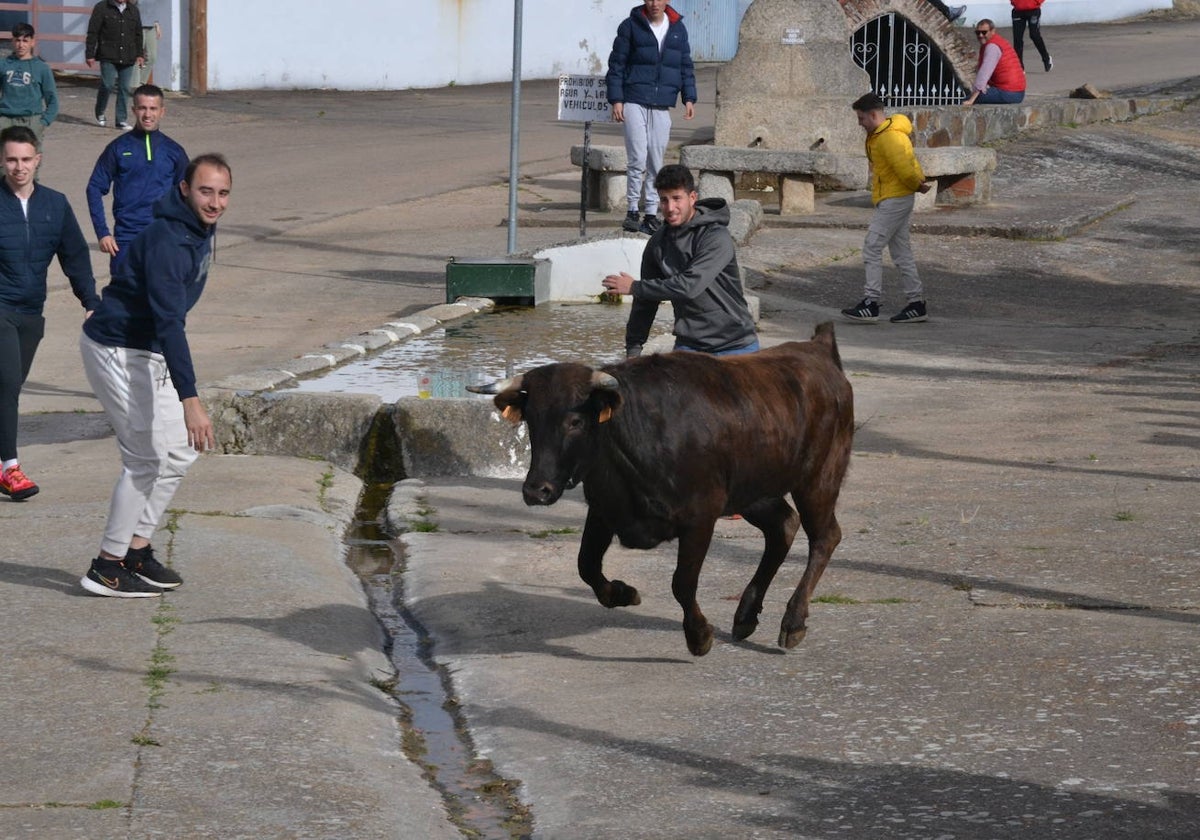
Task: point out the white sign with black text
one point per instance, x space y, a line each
583 99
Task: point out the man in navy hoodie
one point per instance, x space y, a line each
649 68
36 225
136 356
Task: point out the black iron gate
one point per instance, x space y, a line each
905 67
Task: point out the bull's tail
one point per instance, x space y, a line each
824 335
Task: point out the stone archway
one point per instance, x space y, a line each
790 85
951 40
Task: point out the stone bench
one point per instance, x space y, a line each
716 166
962 173
606 176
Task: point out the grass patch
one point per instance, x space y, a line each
846 600
552 532
385 684
421 520
323 485
1124 516
105 805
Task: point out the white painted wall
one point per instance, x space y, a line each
1059 12
385 44
396 44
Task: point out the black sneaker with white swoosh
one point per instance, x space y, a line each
143 563
111 579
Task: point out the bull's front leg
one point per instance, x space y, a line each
597 537
693 546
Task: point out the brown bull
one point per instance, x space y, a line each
666 444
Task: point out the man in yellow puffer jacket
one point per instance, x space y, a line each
895 177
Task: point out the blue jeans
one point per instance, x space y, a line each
752 347
995 96
118 77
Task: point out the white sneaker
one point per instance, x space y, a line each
101 121
124 126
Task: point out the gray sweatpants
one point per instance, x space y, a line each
889 227
647 131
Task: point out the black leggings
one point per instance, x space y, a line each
20 335
1034 19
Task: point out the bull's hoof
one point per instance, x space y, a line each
702 643
744 629
790 639
621 594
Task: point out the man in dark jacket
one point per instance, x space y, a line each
692 262
114 39
136 356
140 168
649 68
36 225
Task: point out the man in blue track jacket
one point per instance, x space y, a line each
140 167
649 68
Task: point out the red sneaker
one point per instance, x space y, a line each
16 484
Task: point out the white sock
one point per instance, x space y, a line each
8 464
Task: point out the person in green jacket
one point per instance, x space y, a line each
28 95
896 177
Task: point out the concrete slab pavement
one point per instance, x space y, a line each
241 705
1030 450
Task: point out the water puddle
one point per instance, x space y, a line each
480 803
486 347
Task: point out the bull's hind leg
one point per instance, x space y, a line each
778 523
824 534
597 537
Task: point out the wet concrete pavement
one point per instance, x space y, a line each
1007 643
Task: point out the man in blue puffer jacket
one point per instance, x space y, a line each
649 69
36 225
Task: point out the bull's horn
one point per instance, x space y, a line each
511 384
608 382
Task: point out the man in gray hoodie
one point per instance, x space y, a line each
690 261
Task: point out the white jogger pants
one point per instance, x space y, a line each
135 390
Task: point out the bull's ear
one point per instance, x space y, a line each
511 404
606 394
609 403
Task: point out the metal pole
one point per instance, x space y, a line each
583 188
514 157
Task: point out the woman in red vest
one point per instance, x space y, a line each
1000 79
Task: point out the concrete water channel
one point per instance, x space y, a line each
488 346
437 365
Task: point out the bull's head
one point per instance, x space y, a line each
563 405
